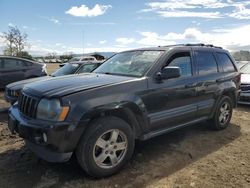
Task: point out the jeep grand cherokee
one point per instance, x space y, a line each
137 94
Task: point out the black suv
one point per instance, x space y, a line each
13 69
135 94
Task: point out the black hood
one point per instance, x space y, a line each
65 85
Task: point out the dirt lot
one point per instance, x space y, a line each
192 157
51 67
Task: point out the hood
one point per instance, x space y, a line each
65 85
245 78
20 84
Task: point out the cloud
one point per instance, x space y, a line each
125 41
51 19
154 39
189 14
201 9
218 37
84 11
241 12
102 42
55 21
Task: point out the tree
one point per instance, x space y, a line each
15 40
66 57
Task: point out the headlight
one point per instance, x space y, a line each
51 109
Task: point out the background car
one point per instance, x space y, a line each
13 69
245 85
12 90
80 59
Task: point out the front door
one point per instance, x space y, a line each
171 102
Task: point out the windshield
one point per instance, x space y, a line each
69 68
134 63
245 69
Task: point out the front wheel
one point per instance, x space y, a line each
106 147
223 114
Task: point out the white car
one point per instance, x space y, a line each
80 58
245 84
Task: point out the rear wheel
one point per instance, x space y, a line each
106 147
223 114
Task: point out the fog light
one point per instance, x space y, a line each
45 138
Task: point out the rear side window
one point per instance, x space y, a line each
225 62
12 63
27 63
205 62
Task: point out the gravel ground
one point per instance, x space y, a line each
191 157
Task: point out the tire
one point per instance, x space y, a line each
223 114
105 147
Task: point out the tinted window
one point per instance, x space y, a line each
69 68
12 64
87 68
205 62
27 63
225 62
182 60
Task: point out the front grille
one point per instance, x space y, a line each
245 87
12 93
27 105
8 92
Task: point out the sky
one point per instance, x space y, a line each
63 26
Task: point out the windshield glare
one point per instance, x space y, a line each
134 63
69 68
245 69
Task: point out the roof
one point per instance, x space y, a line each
14 57
198 45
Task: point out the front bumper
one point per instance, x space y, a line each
244 98
61 137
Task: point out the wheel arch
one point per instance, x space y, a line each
127 111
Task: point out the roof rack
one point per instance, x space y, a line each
205 45
198 44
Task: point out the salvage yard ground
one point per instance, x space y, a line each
191 157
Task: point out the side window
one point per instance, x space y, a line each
12 64
225 62
87 68
183 61
205 62
27 63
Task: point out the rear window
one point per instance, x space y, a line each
225 62
205 62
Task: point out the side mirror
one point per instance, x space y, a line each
169 72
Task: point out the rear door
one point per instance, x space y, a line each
207 89
12 70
